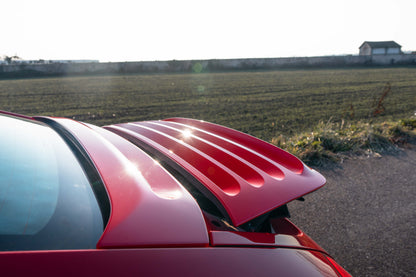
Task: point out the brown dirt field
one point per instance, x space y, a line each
365 216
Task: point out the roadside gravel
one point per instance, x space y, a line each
365 216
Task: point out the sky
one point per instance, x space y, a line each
139 30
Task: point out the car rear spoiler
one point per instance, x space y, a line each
243 175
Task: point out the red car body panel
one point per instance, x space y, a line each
248 176
145 199
145 192
286 235
201 262
156 228
17 115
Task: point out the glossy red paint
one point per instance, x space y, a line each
156 228
286 234
338 268
248 176
272 152
149 208
16 115
218 261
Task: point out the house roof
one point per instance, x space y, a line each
381 44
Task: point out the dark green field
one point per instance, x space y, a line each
261 103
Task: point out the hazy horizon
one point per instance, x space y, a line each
200 30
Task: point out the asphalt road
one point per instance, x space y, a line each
365 216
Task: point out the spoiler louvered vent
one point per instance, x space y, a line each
247 176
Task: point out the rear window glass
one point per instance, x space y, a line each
46 201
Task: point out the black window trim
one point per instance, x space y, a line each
87 165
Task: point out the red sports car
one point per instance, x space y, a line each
176 197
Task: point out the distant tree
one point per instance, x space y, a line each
9 59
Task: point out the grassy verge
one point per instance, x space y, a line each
332 142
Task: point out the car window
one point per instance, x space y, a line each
46 201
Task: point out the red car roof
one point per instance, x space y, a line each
248 176
148 206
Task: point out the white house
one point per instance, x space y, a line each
380 48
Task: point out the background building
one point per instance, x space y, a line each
380 48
